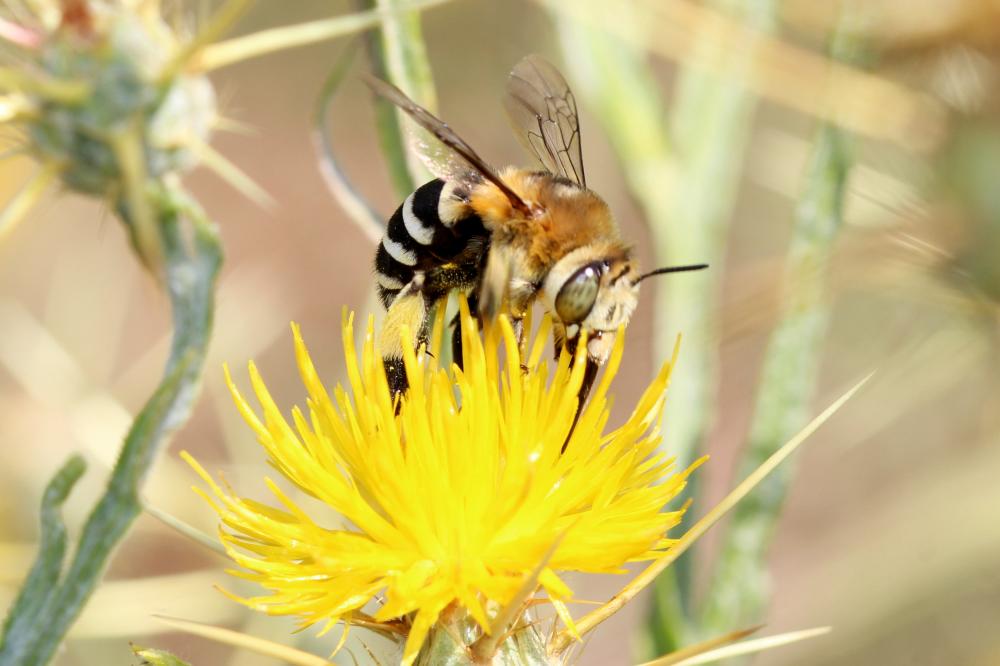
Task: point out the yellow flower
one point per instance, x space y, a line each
460 499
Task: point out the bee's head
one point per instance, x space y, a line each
593 289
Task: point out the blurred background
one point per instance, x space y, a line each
837 165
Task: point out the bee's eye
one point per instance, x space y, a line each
577 295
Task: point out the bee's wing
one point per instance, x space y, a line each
542 110
454 159
439 159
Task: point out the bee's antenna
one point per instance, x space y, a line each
671 269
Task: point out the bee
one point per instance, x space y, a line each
508 237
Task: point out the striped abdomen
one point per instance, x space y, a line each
441 245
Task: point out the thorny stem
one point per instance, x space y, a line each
50 601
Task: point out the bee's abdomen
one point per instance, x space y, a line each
418 240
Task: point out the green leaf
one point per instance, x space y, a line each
44 575
154 657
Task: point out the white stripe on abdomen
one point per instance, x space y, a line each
388 282
398 252
414 226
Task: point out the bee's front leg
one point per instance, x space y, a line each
562 340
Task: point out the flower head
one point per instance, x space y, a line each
479 485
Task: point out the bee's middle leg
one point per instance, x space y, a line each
456 328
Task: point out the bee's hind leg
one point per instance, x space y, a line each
410 308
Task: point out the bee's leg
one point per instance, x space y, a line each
410 308
456 332
492 288
589 375
456 342
561 340
517 323
463 276
520 299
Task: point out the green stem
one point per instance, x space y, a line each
739 589
191 265
405 55
387 125
405 63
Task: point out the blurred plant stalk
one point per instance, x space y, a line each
396 53
404 63
387 122
904 24
706 35
739 588
271 40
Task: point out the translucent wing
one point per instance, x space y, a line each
445 165
542 110
440 160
